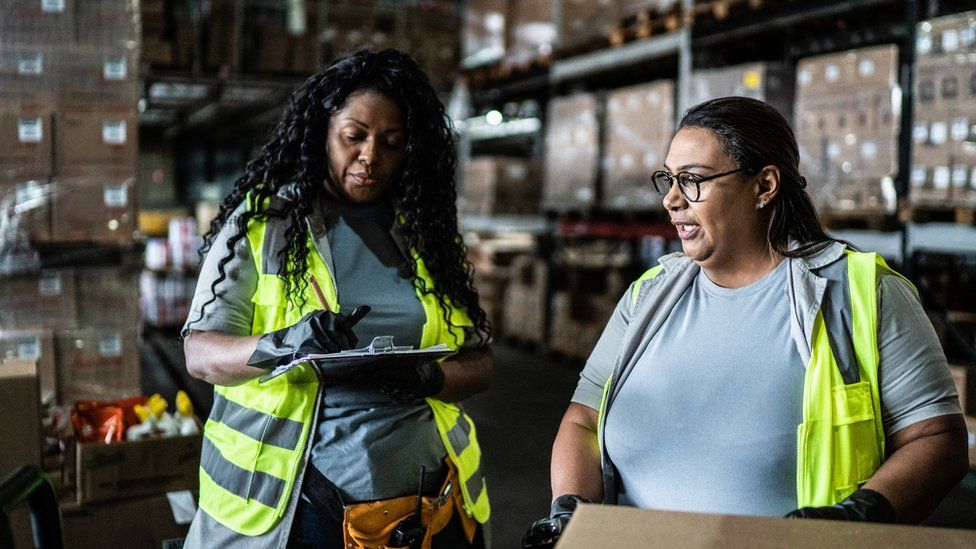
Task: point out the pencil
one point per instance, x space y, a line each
318 292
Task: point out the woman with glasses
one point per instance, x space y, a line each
767 369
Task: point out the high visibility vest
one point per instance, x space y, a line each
841 442
257 435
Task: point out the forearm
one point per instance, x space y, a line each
467 374
575 467
918 474
220 359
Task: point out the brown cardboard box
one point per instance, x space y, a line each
98 76
531 31
95 138
39 301
22 431
769 82
965 382
107 22
587 22
158 521
613 527
525 300
94 209
138 468
27 73
571 152
37 21
639 127
37 346
108 297
32 202
500 184
25 141
97 364
483 33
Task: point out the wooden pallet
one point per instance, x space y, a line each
720 10
507 69
646 23
929 213
859 219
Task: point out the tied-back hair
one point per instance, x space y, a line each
294 160
756 135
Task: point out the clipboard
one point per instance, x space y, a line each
380 352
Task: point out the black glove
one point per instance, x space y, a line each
317 332
405 385
863 505
544 533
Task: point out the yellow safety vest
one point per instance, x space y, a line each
841 442
256 438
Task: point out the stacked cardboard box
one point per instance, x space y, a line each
944 127
847 119
583 23
483 33
571 152
531 32
581 309
525 300
500 184
639 126
769 82
431 37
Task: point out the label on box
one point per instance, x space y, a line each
49 285
940 177
52 6
833 150
115 68
116 196
804 77
869 150
960 129
751 80
183 506
626 161
939 133
30 130
865 68
918 176
832 73
960 175
923 44
950 40
650 160
113 132
30 350
967 35
110 346
920 132
31 63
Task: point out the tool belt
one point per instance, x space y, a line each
369 525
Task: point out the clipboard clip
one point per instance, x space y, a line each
382 345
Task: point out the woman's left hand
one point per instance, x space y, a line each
405 385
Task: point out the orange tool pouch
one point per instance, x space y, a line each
369 525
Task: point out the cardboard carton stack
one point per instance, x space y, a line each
847 118
639 127
500 185
944 128
531 32
431 37
579 314
571 152
769 82
525 300
483 32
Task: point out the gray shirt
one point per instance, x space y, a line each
681 433
368 446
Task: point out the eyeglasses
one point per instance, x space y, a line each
689 183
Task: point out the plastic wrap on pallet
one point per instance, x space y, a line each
769 82
39 300
97 209
847 118
34 21
98 363
483 34
639 127
944 127
108 297
571 150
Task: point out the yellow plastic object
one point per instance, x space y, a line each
183 405
157 404
143 412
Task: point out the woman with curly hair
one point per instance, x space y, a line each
349 206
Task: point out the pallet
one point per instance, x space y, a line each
648 22
931 213
872 220
507 69
721 10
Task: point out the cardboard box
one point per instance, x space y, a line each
500 184
571 152
769 82
639 127
37 21
965 382
46 300
22 431
531 31
99 76
617 527
108 297
97 138
25 142
36 346
97 364
159 521
139 468
94 209
483 33
107 22
525 300
587 22
31 204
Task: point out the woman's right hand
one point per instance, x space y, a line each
317 332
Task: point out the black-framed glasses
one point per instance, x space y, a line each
689 183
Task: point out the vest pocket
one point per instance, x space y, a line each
855 446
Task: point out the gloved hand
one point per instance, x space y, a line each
405 385
544 533
317 332
863 505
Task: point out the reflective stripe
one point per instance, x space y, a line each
265 428
460 434
475 484
258 486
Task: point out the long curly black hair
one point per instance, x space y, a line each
295 155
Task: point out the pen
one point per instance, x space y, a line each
318 292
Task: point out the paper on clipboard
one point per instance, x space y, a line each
381 351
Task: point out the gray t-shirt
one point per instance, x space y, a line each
693 430
368 446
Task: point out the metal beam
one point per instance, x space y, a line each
628 55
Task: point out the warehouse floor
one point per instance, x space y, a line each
516 420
